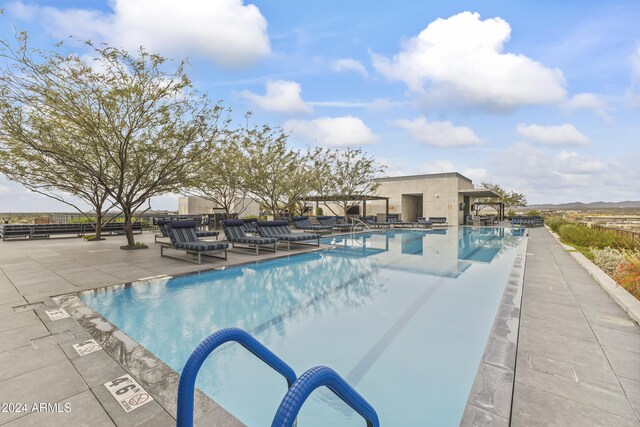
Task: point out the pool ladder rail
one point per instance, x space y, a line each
299 389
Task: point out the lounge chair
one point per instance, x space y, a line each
235 230
340 220
184 238
423 222
333 223
395 222
438 220
373 222
281 231
164 231
250 225
303 223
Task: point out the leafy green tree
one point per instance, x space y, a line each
276 175
351 177
143 130
222 180
510 199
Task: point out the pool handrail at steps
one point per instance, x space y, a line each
298 389
186 386
313 379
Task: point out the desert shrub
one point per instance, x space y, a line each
319 211
533 212
81 220
582 235
554 222
628 276
608 259
511 213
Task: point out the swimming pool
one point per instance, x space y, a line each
403 315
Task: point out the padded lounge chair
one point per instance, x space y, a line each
281 231
372 221
184 238
438 220
235 230
333 223
303 223
250 225
164 231
423 222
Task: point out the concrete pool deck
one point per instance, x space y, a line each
578 356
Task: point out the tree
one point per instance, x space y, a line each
221 180
143 130
39 149
351 175
276 175
510 199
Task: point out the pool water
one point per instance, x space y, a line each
403 315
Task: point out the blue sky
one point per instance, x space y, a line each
542 97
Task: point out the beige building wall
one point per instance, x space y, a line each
433 194
197 206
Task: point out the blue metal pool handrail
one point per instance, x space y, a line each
187 383
311 380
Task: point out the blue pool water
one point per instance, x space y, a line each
402 315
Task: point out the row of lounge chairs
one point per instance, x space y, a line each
527 221
183 235
395 222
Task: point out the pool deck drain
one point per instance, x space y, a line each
576 364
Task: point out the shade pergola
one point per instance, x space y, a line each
485 192
356 198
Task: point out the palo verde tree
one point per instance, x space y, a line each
144 129
275 174
510 199
352 177
38 148
221 180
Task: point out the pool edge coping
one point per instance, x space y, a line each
491 396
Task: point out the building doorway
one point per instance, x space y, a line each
411 207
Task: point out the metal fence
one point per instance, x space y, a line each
620 231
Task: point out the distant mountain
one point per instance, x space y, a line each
592 205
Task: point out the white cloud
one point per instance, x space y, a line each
546 176
590 101
461 59
332 131
227 31
281 96
349 64
565 134
439 134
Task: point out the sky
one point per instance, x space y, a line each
541 97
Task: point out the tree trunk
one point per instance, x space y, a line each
98 225
128 229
